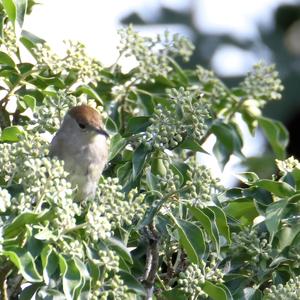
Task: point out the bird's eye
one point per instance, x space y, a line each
82 126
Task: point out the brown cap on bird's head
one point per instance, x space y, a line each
88 117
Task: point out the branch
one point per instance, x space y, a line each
152 260
15 286
4 271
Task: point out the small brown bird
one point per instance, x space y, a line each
81 142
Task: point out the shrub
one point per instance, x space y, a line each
160 224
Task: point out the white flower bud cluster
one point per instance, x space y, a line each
192 279
13 156
214 88
114 289
72 247
99 226
152 54
166 131
294 255
187 116
88 69
42 181
65 215
111 209
50 115
178 45
117 288
122 92
254 244
5 200
290 290
201 185
262 83
98 292
76 60
109 260
45 57
9 39
1 235
287 165
168 183
7 166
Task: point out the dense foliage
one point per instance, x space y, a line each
160 225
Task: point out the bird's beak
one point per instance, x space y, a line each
102 131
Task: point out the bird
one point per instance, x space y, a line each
82 143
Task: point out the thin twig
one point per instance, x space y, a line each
15 87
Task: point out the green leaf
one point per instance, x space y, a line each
132 283
279 189
28 292
12 134
117 144
30 41
221 222
208 225
86 89
124 172
47 82
10 9
296 176
138 124
286 236
158 167
274 214
228 142
49 262
30 102
21 7
24 261
221 153
18 224
111 126
174 294
216 292
120 249
2 19
247 177
71 278
231 194
5 59
139 159
276 135
94 272
252 294
83 292
151 181
191 239
242 209
177 172
146 100
191 144
179 71
45 234
46 293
